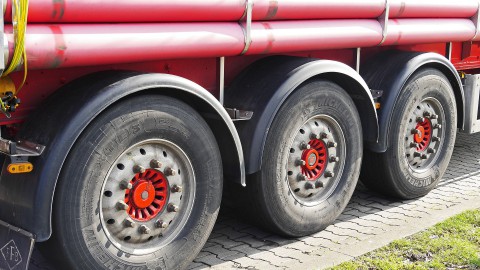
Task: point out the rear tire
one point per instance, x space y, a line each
294 199
172 204
413 164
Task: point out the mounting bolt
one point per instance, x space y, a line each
144 229
176 188
437 126
416 154
431 151
334 159
304 146
416 132
332 144
318 184
138 169
427 114
128 222
314 136
420 119
434 116
161 224
323 135
125 184
424 156
122 205
301 177
435 139
172 207
329 174
169 171
155 164
414 145
309 185
300 162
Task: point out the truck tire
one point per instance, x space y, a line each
311 161
141 189
422 137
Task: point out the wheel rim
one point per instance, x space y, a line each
316 160
424 134
147 196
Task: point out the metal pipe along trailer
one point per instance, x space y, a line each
124 124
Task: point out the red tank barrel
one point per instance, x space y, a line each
99 11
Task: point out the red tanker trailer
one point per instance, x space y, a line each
124 122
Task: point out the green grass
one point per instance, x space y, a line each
451 244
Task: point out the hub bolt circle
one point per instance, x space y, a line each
161 224
329 174
138 169
122 205
125 184
128 222
332 144
169 171
334 159
144 229
176 188
172 207
155 164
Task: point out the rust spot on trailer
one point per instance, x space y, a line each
402 8
272 10
60 47
271 38
58 9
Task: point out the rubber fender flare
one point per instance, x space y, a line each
266 84
389 71
26 199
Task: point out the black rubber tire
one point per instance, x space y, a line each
76 198
387 173
274 206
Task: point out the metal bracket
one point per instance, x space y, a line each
247 28
20 151
383 20
221 79
449 51
476 21
239 115
376 93
357 60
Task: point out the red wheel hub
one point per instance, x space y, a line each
424 136
148 195
315 159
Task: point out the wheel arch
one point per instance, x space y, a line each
28 203
381 73
265 85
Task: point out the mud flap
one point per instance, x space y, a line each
16 247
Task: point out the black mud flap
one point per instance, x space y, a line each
16 247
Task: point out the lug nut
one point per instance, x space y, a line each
138 169
437 126
427 114
300 162
125 184
414 145
144 229
155 164
334 159
416 154
436 139
128 222
329 174
431 151
169 171
314 136
121 205
424 156
304 146
301 177
420 119
318 184
416 132
309 185
172 207
176 188
161 224
332 144
434 116
323 135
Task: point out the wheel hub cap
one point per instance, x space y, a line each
424 135
315 159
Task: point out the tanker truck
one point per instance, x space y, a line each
123 123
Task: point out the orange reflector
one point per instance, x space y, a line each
20 167
377 105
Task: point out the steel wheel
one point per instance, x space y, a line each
147 196
423 135
316 160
